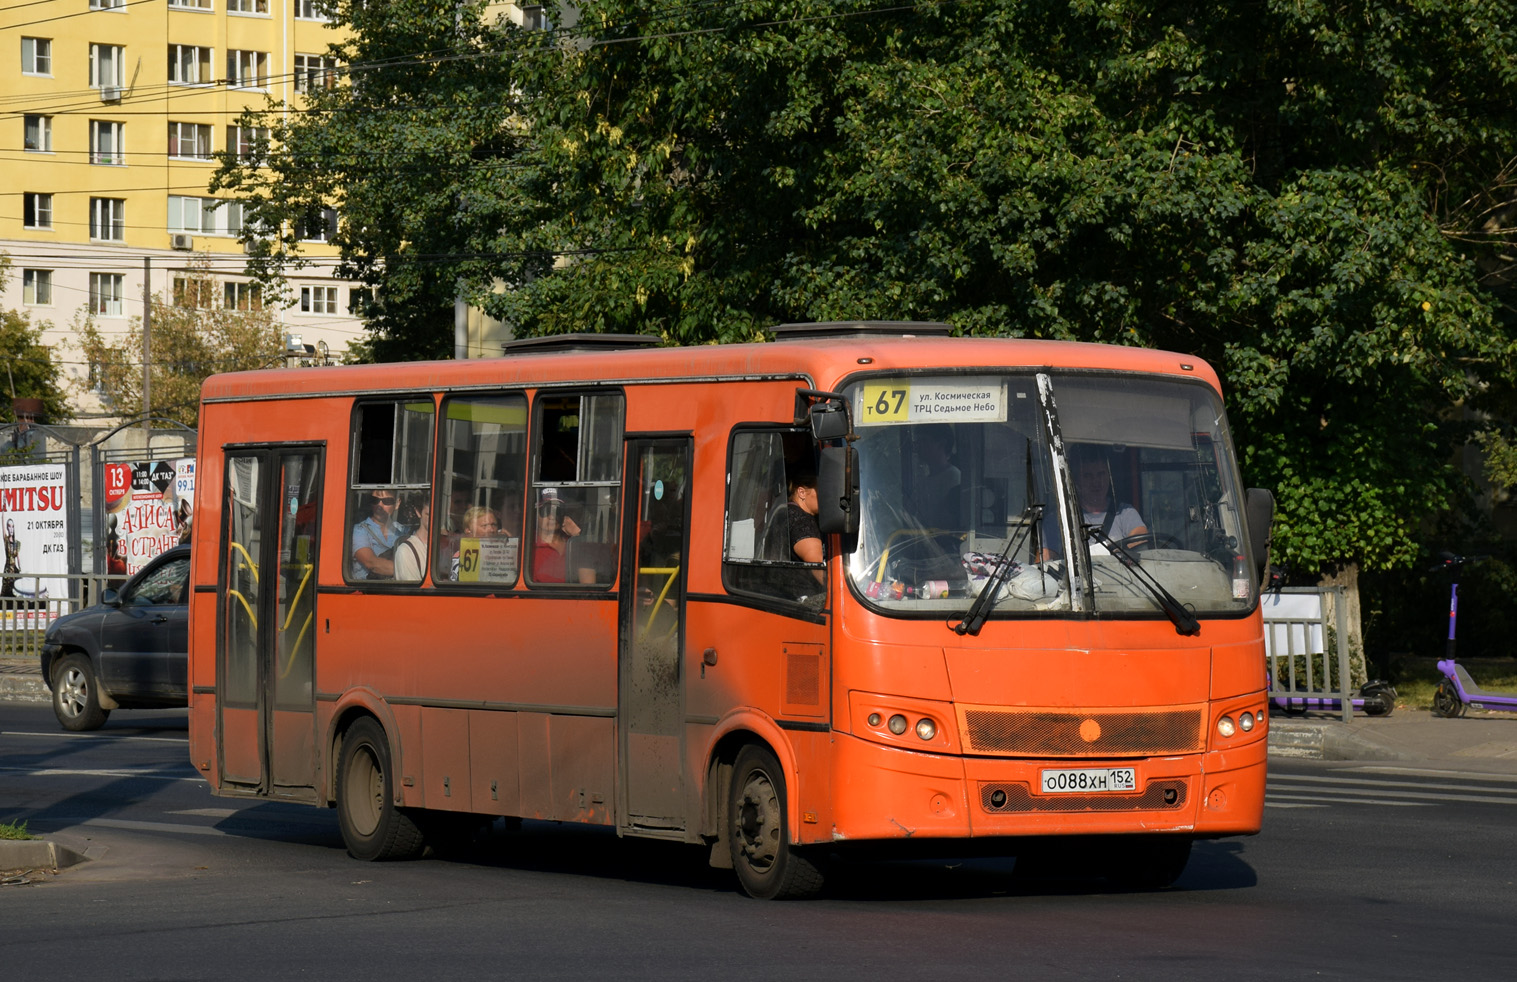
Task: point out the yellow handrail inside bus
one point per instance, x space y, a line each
671 573
295 600
290 663
246 558
245 606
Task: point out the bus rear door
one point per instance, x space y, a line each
267 636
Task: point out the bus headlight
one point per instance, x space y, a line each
1246 721
1226 727
926 729
897 724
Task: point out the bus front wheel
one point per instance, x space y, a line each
373 826
768 867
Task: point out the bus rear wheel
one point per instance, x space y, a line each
373 826
768 867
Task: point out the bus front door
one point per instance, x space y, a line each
267 599
651 704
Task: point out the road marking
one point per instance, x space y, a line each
96 735
100 772
1276 796
1340 781
1282 804
1429 772
1431 796
122 823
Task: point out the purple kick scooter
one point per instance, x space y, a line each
1456 690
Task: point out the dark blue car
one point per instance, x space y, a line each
130 651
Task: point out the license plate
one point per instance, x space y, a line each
1086 780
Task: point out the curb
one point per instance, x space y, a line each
27 687
1329 740
35 854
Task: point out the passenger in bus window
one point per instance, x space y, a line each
478 522
375 538
411 554
805 535
510 512
555 529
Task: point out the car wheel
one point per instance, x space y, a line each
768 867
373 826
76 695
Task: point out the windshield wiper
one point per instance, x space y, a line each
1185 622
974 618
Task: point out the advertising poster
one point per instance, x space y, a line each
34 522
147 511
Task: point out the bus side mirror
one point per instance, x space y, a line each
1259 512
837 490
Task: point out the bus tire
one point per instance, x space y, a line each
76 695
374 828
768 867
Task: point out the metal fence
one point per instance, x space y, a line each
24 620
1301 624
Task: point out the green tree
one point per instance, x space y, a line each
191 338
1308 196
30 372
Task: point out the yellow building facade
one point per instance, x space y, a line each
110 111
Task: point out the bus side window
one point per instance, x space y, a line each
574 513
391 465
757 557
481 486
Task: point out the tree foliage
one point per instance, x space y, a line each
190 338
1315 198
30 371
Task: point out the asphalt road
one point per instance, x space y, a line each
1363 870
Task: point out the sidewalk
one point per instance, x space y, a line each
1477 742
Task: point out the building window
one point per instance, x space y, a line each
36 56
318 226
108 219
242 296
311 10
105 294
318 300
315 72
107 66
107 4
37 210
190 65
37 287
191 4
190 140
39 134
194 291
243 141
248 6
209 215
106 142
248 69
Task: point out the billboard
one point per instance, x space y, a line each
35 527
147 510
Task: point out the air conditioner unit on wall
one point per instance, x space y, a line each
182 241
110 93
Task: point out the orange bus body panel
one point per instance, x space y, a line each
507 703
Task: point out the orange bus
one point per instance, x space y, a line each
864 585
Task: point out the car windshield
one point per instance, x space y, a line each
965 487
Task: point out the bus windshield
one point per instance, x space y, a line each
1059 492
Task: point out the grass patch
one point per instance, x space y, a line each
13 830
1416 679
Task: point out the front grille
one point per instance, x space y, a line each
1098 733
1158 796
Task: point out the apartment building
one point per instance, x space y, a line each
110 111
